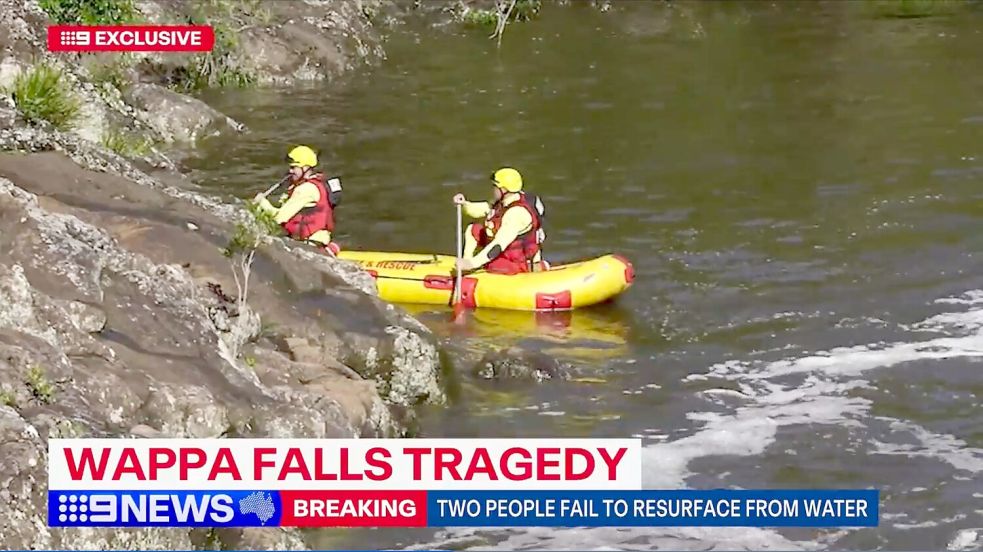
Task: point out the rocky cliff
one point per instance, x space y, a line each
118 314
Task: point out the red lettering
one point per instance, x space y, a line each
570 474
260 461
417 454
156 463
188 464
129 463
77 470
225 463
294 463
542 463
319 473
612 463
481 457
345 474
370 459
526 466
440 465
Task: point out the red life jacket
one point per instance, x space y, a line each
523 249
312 219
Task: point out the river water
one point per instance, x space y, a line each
799 186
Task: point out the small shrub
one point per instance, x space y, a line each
481 18
90 12
40 387
504 12
218 67
241 251
126 143
41 95
249 235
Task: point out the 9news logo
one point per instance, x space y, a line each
152 509
75 38
72 508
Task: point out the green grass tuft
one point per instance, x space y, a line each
38 383
218 67
41 95
486 19
8 399
90 12
126 144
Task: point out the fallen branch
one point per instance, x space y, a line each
503 18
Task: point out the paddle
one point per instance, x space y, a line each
273 188
458 315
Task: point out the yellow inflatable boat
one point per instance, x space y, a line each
429 279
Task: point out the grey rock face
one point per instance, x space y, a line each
112 315
178 117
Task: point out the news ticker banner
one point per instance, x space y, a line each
403 483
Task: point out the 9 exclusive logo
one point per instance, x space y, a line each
130 38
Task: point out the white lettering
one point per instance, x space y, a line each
190 504
222 511
158 508
102 508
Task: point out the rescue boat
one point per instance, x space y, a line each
429 279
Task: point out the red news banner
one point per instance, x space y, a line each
130 38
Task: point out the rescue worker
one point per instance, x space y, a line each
307 212
510 238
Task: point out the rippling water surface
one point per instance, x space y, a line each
799 187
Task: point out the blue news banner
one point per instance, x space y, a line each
663 508
653 508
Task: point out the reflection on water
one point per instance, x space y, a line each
585 335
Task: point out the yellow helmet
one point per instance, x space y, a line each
508 179
302 156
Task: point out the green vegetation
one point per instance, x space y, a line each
504 12
8 399
113 73
487 19
241 251
218 67
248 236
90 12
126 143
250 361
524 10
41 95
40 387
259 13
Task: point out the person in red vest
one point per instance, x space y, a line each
510 238
307 213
